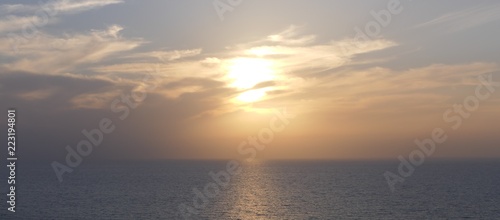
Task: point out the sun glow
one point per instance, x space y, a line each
246 73
252 95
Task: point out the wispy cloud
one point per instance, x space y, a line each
294 84
12 8
465 19
289 58
38 94
57 6
15 17
383 90
290 36
15 23
294 61
167 55
57 54
75 6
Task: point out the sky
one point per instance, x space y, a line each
199 79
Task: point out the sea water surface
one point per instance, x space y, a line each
266 190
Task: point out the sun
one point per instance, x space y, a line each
248 72
245 73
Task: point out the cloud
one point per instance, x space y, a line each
74 77
97 100
294 66
38 94
82 5
465 19
385 90
294 52
56 108
289 37
291 62
318 57
166 55
264 85
11 8
55 91
58 54
29 17
176 88
57 6
15 23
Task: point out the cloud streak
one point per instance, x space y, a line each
63 6
17 17
58 54
465 19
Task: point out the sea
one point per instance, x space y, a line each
171 189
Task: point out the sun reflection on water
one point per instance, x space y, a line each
253 194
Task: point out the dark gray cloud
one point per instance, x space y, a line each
46 125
